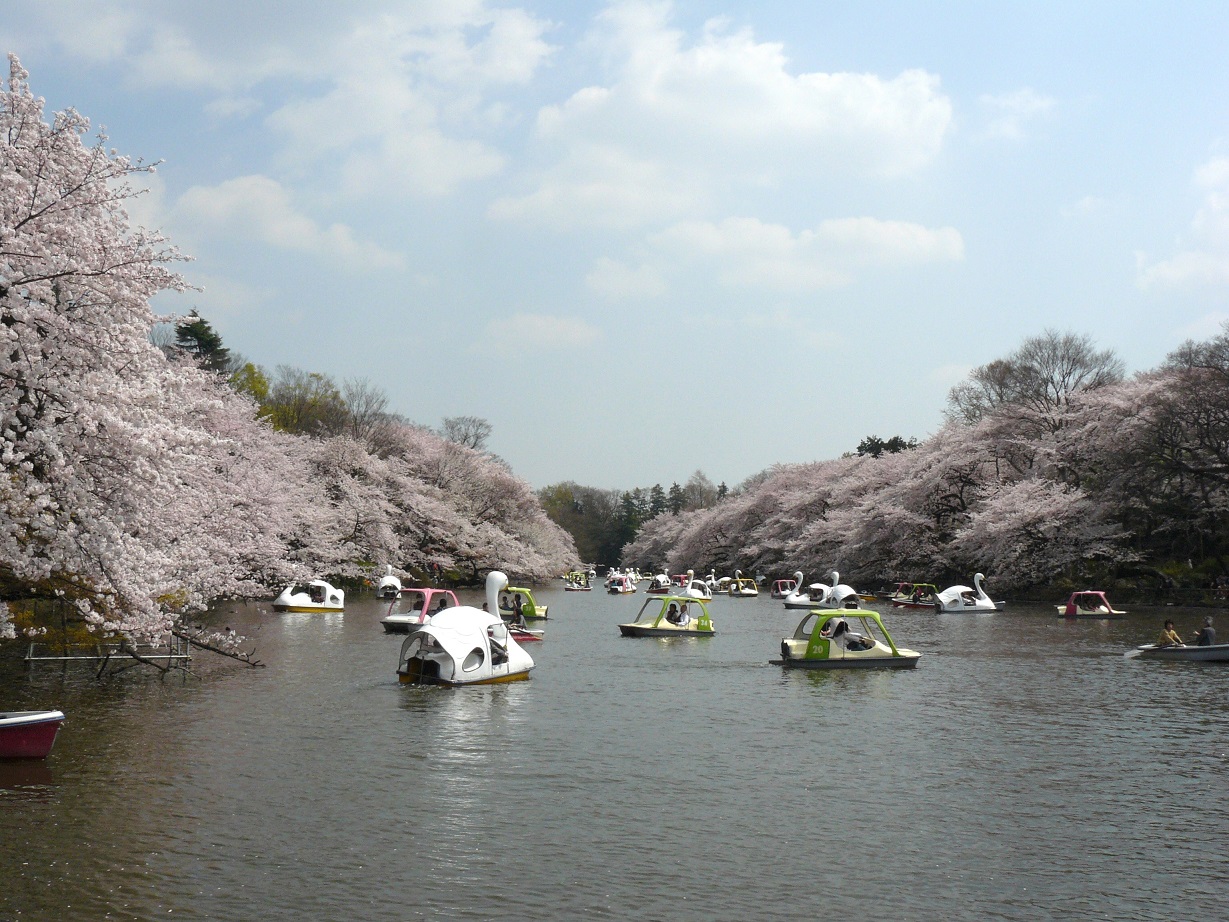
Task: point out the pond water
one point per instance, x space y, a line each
1024 770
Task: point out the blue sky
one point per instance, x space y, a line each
643 239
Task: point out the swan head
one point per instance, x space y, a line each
495 581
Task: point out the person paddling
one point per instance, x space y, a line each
1169 637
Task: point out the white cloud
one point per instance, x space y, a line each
749 252
540 331
603 187
1205 327
1084 207
1203 260
720 110
394 119
1009 115
259 208
616 281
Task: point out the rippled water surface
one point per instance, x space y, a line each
1024 770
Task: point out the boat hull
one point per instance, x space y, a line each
878 662
1216 653
28 734
635 630
491 680
306 609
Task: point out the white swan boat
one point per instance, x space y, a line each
464 646
964 599
316 595
670 616
844 640
825 596
389 586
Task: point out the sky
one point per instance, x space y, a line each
646 238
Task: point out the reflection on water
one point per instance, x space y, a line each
1024 770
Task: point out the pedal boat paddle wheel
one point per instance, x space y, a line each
464 646
671 616
849 639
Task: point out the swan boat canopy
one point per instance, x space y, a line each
621 585
962 598
316 595
415 607
741 587
464 646
783 588
517 604
825 596
914 595
670 616
1089 604
844 640
389 585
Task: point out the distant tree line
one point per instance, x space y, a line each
601 521
1054 469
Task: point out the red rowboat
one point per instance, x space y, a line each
28 734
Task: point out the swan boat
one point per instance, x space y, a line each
824 596
741 587
914 595
389 585
1187 653
464 646
620 585
962 598
1090 603
670 616
577 581
415 607
826 640
784 588
693 588
28 734
316 595
517 604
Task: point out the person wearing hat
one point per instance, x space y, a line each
1207 636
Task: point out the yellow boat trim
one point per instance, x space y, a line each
497 680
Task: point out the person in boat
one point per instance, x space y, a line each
1206 637
1169 637
440 605
518 607
673 615
418 602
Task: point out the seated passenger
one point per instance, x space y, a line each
1169 637
673 615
